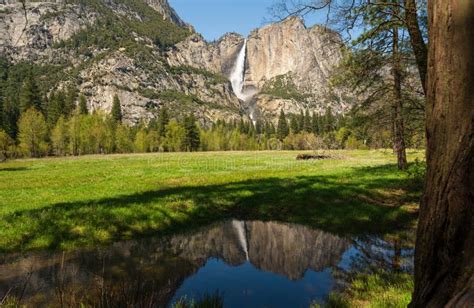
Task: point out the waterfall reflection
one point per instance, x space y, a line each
150 272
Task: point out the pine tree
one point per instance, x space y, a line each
329 121
30 95
55 107
282 129
70 101
83 105
242 129
11 114
163 120
191 139
116 110
272 129
1 110
294 125
259 127
307 127
301 121
315 124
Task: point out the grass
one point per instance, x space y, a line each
207 301
62 203
378 290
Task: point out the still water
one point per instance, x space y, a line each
243 263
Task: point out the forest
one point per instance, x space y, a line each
34 124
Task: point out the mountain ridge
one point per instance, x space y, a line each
148 58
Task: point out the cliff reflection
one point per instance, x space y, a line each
149 272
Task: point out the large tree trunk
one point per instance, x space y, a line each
398 126
416 40
444 257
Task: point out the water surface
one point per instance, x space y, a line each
245 263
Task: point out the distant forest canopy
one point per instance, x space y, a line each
36 125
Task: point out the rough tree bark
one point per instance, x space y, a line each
398 125
416 40
444 257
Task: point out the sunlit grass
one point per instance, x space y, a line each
61 203
379 290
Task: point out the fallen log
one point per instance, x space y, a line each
311 156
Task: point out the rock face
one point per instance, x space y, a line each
217 57
139 73
26 32
163 7
287 65
288 57
144 89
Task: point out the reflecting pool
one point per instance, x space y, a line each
241 263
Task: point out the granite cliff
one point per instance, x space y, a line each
142 51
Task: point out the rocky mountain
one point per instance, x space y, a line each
142 51
287 65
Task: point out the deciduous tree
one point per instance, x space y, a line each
59 137
6 144
33 133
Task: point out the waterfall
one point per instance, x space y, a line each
239 227
237 76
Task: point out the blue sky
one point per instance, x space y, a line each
213 18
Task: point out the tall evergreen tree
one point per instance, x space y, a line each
315 124
242 128
70 100
116 109
55 107
3 79
191 138
294 124
11 114
282 128
163 120
1 111
307 127
30 95
328 121
259 126
301 121
83 105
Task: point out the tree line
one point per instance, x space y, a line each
36 121
61 124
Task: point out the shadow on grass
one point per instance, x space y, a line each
11 169
352 205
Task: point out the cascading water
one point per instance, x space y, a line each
239 227
237 76
237 80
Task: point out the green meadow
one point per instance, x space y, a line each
64 203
